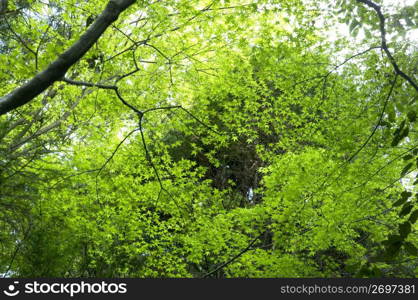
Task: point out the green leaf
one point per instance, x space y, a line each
406 169
406 209
399 202
413 217
404 132
404 229
399 129
400 133
391 115
406 194
412 116
393 250
355 32
410 248
408 157
409 22
394 238
395 141
353 25
400 107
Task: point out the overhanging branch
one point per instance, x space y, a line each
385 48
57 69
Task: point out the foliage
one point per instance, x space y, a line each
211 139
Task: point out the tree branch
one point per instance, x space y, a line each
377 124
57 69
385 48
248 248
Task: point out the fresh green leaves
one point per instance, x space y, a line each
243 154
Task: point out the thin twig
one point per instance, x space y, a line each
378 122
248 248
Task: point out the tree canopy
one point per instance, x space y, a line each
208 138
